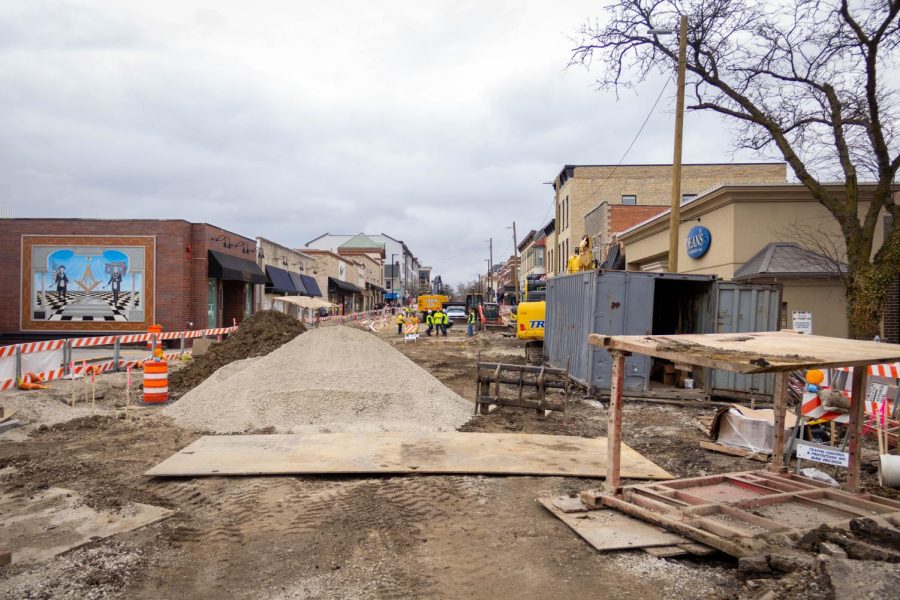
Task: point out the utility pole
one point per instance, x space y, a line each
675 214
515 263
490 265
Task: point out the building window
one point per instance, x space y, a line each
629 199
567 211
687 197
539 257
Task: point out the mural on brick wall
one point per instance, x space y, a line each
87 283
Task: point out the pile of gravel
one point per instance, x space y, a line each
257 336
328 379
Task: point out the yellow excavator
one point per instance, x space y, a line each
531 314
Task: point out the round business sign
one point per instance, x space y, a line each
698 240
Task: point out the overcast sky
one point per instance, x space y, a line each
433 122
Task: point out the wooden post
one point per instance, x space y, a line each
614 423
779 397
857 414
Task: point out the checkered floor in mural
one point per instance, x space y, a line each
58 309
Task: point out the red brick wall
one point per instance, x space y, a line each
181 263
623 217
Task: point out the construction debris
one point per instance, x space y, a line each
329 379
743 514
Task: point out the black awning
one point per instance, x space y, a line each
312 287
280 280
375 287
343 286
232 268
298 283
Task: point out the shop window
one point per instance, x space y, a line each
629 199
248 299
212 302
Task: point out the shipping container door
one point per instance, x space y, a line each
567 323
623 305
744 308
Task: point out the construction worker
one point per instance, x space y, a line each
445 321
429 320
399 319
572 265
470 323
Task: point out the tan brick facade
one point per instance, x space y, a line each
580 189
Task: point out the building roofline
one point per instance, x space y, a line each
721 190
260 238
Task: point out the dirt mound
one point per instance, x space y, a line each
329 379
260 334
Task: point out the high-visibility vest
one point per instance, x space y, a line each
470 318
429 320
446 319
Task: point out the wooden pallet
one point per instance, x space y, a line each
489 377
742 513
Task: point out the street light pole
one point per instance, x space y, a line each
675 213
515 262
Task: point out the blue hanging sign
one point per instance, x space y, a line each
698 240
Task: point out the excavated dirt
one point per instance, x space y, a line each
260 334
358 537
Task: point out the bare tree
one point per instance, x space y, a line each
814 80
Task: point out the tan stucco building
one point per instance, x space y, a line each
579 189
743 221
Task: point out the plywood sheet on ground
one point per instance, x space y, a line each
392 452
38 527
611 530
760 352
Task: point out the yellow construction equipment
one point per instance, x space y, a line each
432 302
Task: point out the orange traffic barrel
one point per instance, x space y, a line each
157 329
156 382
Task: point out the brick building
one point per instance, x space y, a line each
109 276
579 189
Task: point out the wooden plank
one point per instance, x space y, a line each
40 525
665 551
395 452
759 352
734 547
722 448
857 414
779 397
697 549
614 424
606 529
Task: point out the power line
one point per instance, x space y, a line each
638 134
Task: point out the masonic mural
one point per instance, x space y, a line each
88 282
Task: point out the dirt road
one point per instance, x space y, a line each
343 537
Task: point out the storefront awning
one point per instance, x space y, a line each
377 288
392 296
298 283
343 286
231 268
312 287
280 280
306 302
